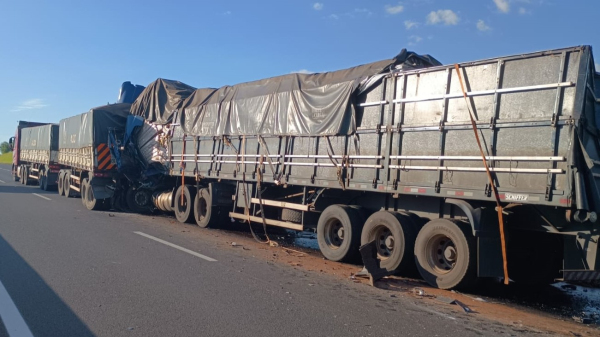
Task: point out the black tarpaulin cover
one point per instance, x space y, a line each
160 100
294 104
44 138
91 128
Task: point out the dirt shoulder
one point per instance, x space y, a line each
506 308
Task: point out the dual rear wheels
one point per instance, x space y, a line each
198 206
443 251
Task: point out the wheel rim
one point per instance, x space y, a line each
334 233
441 253
141 198
385 241
202 208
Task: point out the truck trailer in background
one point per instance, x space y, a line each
38 156
15 144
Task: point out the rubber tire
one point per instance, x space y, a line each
464 273
91 202
213 216
22 174
350 221
61 183
84 188
402 229
185 215
15 173
291 215
134 206
67 185
26 180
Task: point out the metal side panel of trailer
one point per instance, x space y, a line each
414 135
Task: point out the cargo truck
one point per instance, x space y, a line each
481 169
15 143
83 153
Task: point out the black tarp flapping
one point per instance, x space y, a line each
91 128
160 100
44 138
294 104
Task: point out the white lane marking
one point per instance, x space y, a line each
41 196
2 181
13 321
176 247
5 169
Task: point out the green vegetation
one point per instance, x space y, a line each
6 158
4 147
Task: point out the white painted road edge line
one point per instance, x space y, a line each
41 196
176 247
13 321
2 181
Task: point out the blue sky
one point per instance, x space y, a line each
60 58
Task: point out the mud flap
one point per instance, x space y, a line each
100 189
368 253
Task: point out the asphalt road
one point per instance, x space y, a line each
72 272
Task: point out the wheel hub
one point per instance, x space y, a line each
442 253
334 233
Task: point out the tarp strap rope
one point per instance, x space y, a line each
335 163
182 170
489 174
259 193
245 193
265 149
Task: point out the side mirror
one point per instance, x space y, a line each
11 143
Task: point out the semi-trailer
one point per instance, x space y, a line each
480 169
35 154
87 170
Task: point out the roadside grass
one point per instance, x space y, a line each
6 158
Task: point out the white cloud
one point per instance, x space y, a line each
334 16
302 71
523 11
30 104
502 5
363 10
598 67
414 39
445 16
318 6
481 26
394 9
227 13
410 24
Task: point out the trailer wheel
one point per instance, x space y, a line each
61 183
184 212
84 192
15 173
25 175
69 193
206 215
394 236
139 200
91 202
446 254
338 233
